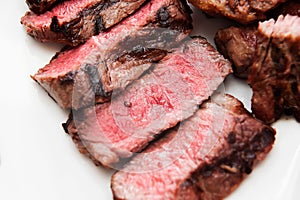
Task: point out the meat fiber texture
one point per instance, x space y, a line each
74 21
239 44
275 74
41 6
159 100
242 11
89 73
205 157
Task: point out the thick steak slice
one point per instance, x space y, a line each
238 44
113 59
243 11
275 74
41 6
73 22
206 157
157 101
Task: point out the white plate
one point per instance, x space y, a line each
39 161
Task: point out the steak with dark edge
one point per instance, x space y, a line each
238 44
275 74
206 157
74 21
243 11
41 6
159 100
113 59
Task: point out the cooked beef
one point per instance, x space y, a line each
275 74
206 157
243 11
79 76
291 7
238 44
41 6
73 22
168 94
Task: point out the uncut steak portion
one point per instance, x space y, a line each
206 157
243 11
113 59
275 74
41 6
238 44
74 21
157 101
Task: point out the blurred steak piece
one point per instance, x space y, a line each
238 44
159 100
243 11
73 22
275 74
291 7
89 73
206 157
41 6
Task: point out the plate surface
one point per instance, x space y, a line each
39 161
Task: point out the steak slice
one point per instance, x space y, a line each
159 100
275 74
41 6
238 44
73 22
206 157
113 59
243 11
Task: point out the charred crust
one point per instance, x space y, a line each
95 82
54 26
163 16
99 26
225 172
67 78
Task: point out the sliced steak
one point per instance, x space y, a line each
243 11
113 59
41 6
206 157
275 74
238 44
73 22
160 99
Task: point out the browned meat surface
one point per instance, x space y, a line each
160 99
238 44
89 73
74 21
275 74
41 6
243 11
198 159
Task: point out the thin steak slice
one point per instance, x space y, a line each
238 44
113 59
243 11
275 74
157 101
41 6
73 22
206 157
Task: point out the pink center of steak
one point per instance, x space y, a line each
98 45
64 12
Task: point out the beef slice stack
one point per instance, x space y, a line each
205 157
160 99
111 60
